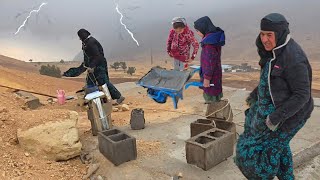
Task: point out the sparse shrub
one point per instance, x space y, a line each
123 66
131 70
52 71
116 65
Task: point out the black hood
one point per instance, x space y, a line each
277 23
205 25
83 34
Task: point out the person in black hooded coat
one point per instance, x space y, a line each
279 106
96 65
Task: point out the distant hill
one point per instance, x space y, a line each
23 75
17 64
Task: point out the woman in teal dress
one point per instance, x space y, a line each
279 106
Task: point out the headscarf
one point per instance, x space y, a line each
205 25
83 34
272 22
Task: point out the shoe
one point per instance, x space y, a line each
120 100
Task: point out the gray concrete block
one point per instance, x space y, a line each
221 110
209 148
117 146
137 120
200 126
227 126
31 101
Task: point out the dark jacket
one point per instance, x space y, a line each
93 57
290 80
93 52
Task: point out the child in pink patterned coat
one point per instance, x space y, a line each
179 43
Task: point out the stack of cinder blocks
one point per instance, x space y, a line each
202 125
209 148
117 146
209 144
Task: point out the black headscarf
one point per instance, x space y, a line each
83 34
205 25
272 22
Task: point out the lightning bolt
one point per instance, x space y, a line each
125 26
26 20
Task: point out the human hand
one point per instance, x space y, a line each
170 54
270 125
250 101
90 70
206 83
189 60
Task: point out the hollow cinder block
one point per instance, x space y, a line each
200 126
221 110
209 148
117 146
227 126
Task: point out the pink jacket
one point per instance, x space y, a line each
179 45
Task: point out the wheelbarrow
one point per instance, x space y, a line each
162 83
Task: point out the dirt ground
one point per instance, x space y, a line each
18 164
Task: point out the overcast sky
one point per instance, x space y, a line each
51 35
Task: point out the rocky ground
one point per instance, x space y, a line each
20 162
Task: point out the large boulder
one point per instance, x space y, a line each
56 141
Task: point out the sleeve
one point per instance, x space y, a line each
195 45
299 83
210 58
169 41
74 72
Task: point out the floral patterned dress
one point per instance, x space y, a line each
262 153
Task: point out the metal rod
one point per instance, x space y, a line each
17 89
